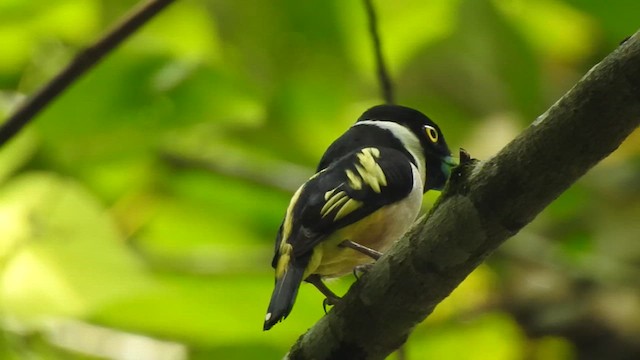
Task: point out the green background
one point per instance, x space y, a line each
138 212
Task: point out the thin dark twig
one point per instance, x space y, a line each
84 61
383 73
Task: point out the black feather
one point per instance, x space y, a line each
284 295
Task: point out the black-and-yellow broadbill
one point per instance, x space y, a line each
365 195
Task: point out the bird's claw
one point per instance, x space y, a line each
329 302
361 269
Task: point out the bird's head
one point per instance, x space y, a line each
432 145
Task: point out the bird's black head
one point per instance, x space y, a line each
437 155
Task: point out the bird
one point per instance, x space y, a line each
366 193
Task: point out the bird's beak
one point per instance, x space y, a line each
448 162
451 161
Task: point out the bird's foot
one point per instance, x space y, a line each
330 301
361 269
330 297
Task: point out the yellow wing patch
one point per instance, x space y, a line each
288 218
350 206
355 181
283 260
369 170
368 173
334 200
340 201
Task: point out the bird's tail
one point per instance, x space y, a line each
284 295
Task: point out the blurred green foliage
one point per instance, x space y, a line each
146 198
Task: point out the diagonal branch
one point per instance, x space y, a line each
80 65
484 204
381 68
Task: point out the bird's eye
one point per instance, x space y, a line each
432 133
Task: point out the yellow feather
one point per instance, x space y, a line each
283 260
380 175
288 218
316 259
368 178
336 204
369 169
350 206
371 152
355 182
331 202
329 194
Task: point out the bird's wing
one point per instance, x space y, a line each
348 190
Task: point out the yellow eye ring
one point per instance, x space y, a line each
432 133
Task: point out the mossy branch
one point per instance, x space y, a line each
485 203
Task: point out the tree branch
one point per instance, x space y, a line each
484 204
80 65
256 171
381 68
